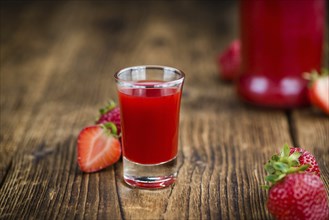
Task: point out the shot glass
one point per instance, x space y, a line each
149 98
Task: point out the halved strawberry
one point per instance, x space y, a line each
98 147
319 89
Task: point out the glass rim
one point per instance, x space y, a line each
161 84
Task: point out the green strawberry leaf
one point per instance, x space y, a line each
271 178
275 158
283 167
269 168
282 164
285 151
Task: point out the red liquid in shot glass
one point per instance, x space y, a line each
150 118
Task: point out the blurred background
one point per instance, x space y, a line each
65 48
154 27
96 38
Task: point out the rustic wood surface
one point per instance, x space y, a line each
57 65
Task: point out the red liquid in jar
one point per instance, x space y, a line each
150 123
280 40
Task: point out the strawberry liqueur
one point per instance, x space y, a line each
280 40
149 99
150 123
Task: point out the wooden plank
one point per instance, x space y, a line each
220 138
311 129
43 179
218 175
22 83
223 143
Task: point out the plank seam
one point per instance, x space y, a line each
171 190
117 192
8 167
292 128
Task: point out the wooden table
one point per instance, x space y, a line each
57 64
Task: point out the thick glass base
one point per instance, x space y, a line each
287 92
150 176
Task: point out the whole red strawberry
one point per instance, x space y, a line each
229 61
307 158
295 192
110 113
299 196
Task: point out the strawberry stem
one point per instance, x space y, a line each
315 75
282 164
110 106
111 128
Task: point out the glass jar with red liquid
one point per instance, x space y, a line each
280 40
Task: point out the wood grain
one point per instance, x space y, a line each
312 133
57 66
